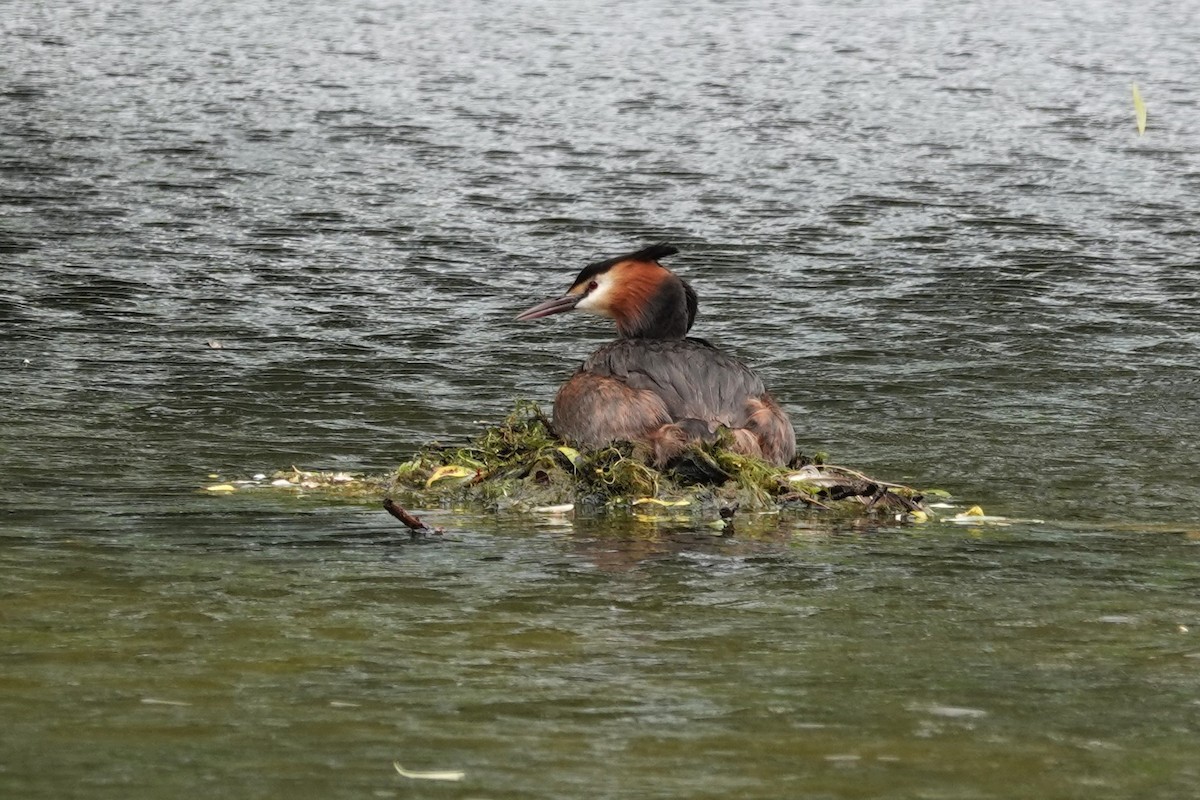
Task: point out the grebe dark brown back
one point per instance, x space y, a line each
654 384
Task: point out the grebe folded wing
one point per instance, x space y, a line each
693 378
701 389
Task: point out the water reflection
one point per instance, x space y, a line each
538 665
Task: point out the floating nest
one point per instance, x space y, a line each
521 465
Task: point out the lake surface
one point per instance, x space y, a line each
933 227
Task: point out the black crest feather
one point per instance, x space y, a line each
651 253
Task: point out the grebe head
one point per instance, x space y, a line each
644 298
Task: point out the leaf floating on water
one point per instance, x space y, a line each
221 487
982 519
1139 108
436 775
975 516
654 501
451 471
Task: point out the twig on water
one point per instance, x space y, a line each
414 524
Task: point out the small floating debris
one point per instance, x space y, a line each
562 508
1139 110
344 485
975 516
433 775
843 758
154 701
414 524
955 712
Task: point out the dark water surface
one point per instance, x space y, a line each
933 227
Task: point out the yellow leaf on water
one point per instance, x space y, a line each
1139 108
973 511
451 471
436 775
221 487
654 501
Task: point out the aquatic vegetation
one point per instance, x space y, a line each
521 465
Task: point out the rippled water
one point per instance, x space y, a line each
932 226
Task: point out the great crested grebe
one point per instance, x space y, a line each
654 384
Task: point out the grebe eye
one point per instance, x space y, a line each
592 286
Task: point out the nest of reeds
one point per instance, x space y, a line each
522 465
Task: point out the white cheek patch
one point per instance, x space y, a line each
596 301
